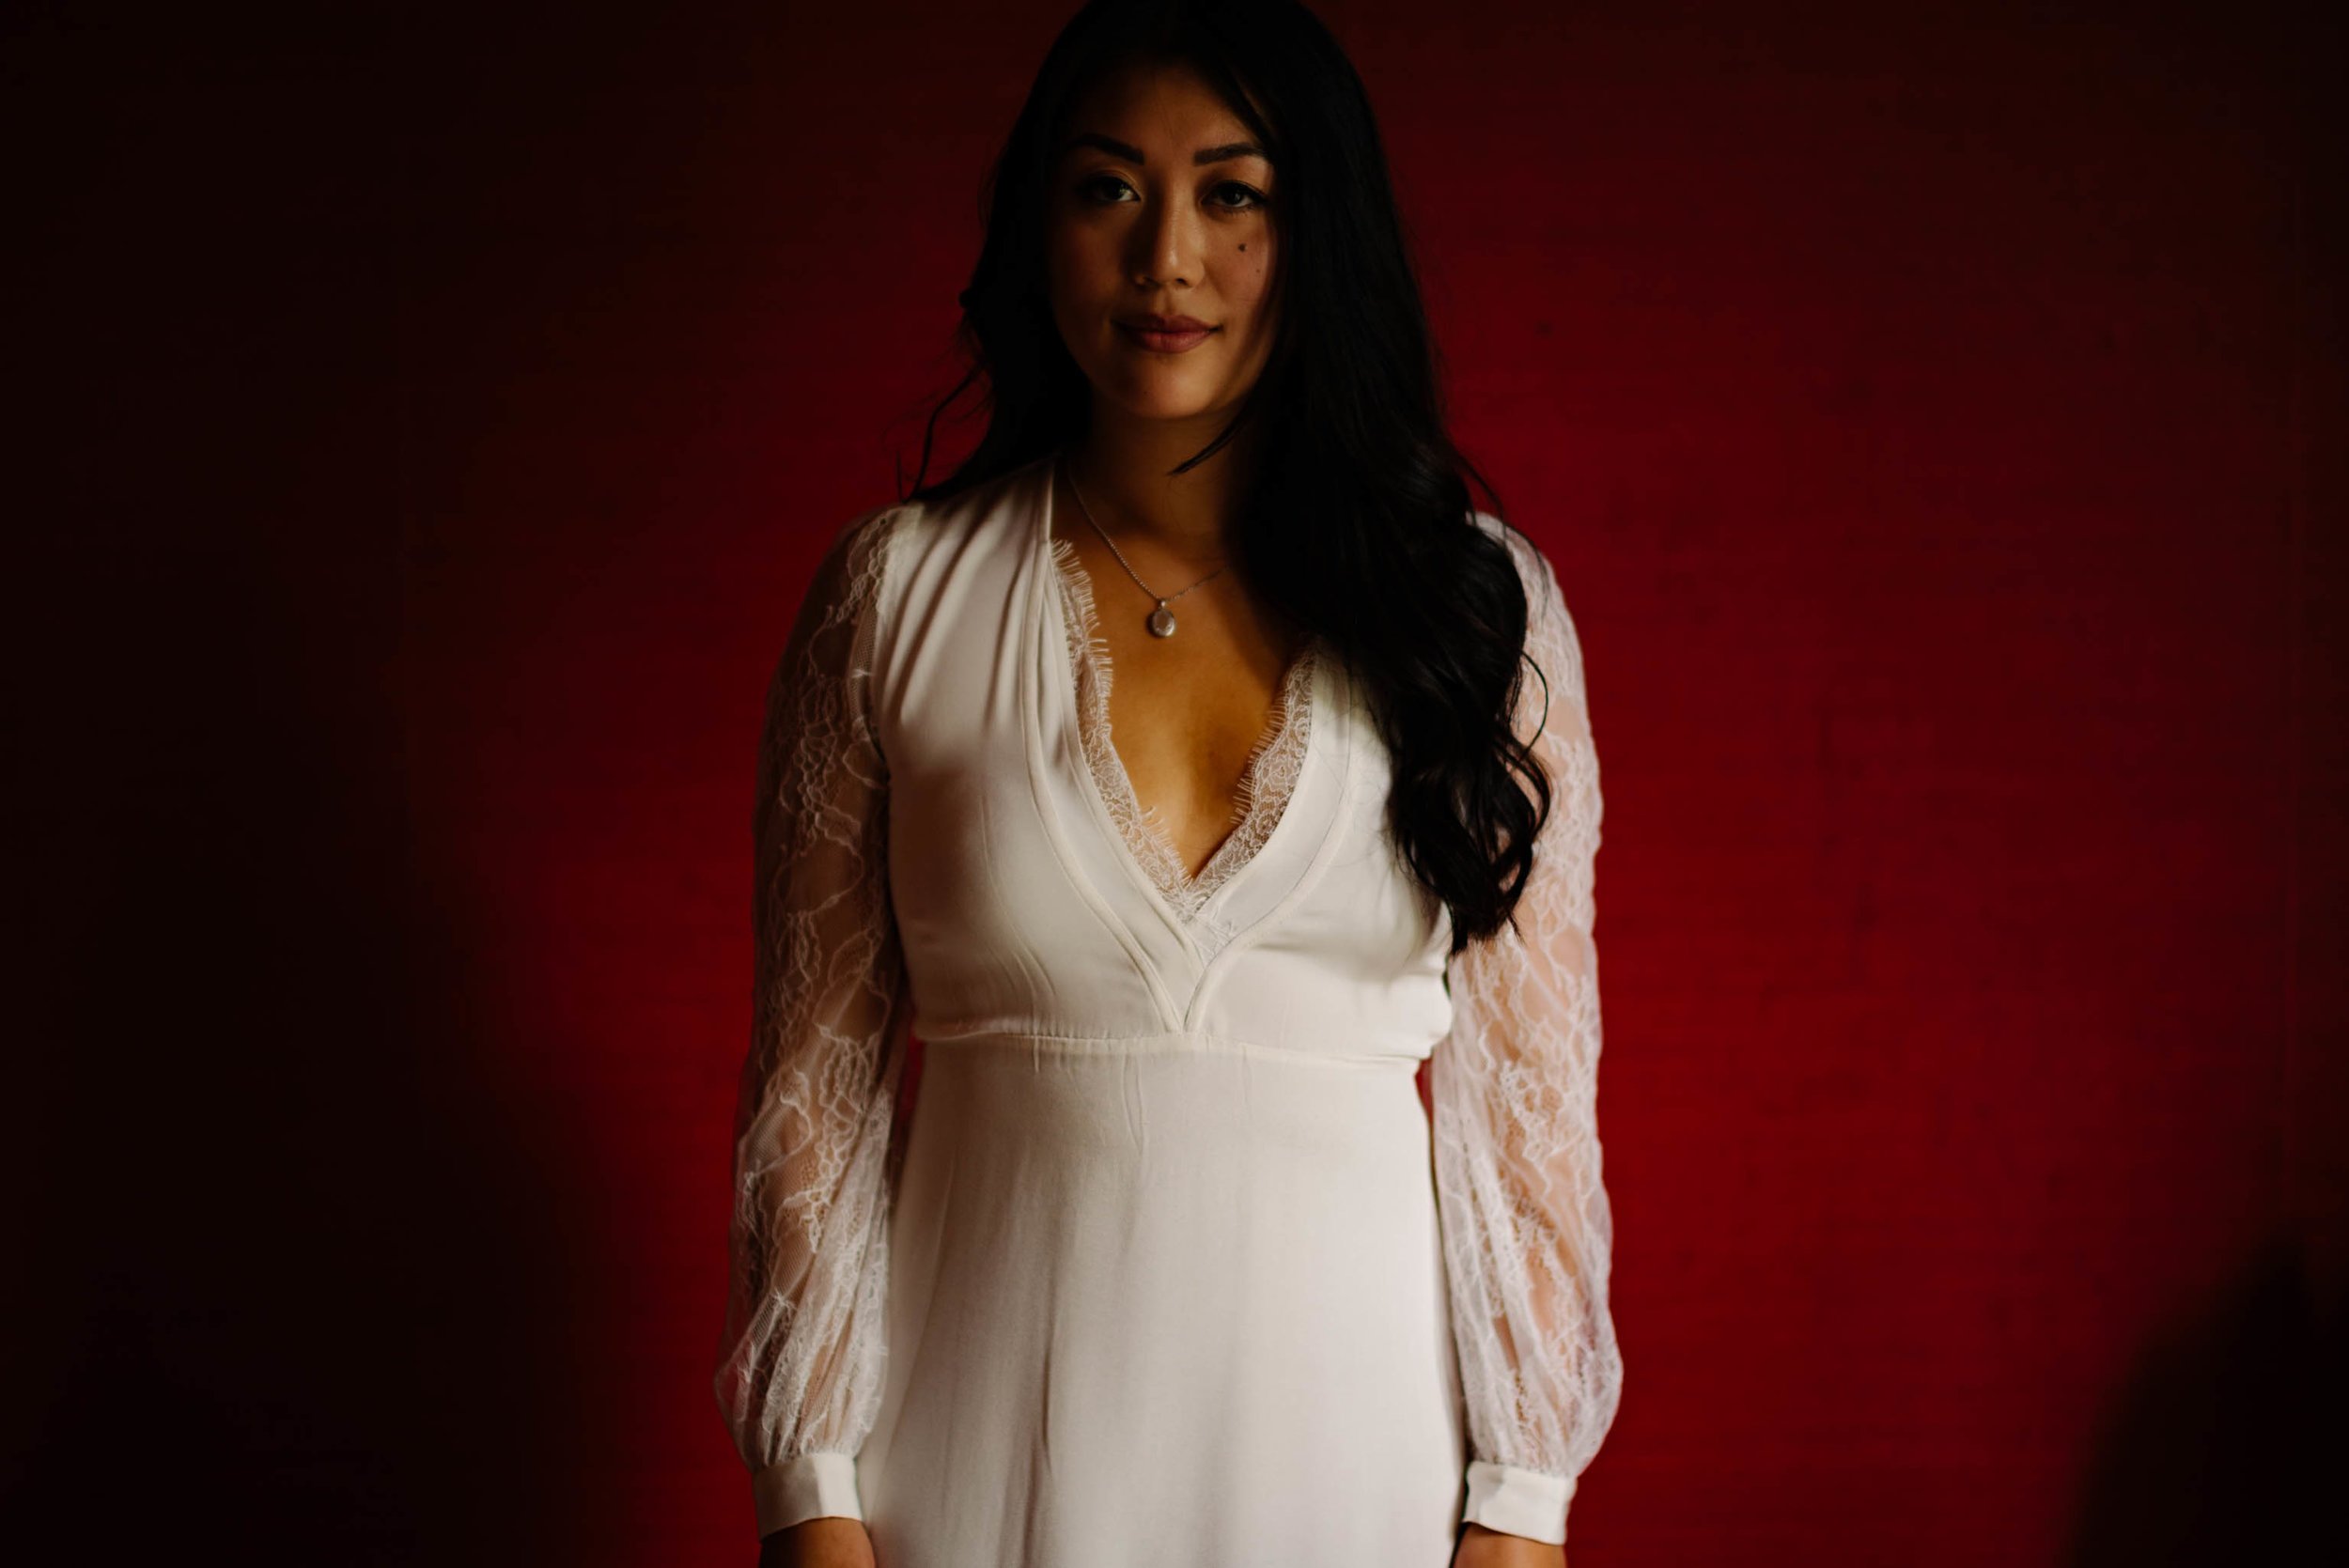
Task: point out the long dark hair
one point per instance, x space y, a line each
1357 522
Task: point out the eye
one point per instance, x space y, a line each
1102 190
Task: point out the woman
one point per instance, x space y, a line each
1190 767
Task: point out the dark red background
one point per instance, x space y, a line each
1936 417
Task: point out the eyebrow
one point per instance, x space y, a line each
1133 154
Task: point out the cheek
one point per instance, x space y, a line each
1251 274
1076 255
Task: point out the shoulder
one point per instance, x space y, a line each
1551 641
848 568
917 525
858 545
866 552
885 565
1545 600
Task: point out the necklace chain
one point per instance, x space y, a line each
1161 621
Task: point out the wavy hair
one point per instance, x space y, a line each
1356 521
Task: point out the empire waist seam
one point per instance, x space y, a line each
1174 1042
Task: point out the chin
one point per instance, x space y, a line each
1157 396
1168 408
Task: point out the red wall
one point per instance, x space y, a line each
1935 416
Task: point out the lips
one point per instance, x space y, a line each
1165 334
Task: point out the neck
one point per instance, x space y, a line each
1121 464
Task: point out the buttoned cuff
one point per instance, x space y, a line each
811 1486
1518 1502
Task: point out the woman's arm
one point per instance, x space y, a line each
821 1543
800 1376
1525 1222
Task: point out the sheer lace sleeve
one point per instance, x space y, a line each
800 1375
1526 1226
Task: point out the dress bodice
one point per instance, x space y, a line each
1031 894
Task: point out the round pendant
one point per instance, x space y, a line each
1161 622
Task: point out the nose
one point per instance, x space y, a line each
1166 244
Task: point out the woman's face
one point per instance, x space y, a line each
1140 226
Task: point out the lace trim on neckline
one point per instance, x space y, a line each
1267 782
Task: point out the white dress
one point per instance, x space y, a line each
1165 1267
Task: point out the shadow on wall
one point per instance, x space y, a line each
292 1282
2225 1445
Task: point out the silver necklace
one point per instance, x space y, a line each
1161 622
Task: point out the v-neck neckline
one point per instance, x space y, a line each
1282 752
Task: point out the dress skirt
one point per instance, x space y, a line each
1160 1302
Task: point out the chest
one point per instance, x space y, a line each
1191 716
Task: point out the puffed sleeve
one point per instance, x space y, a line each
1514 1088
800 1375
